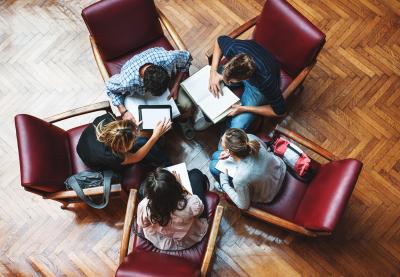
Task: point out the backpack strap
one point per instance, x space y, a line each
107 176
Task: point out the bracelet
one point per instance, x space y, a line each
213 70
124 112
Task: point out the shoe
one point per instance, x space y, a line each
200 122
187 129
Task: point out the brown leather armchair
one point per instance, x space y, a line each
47 156
147 260
120 29
290 37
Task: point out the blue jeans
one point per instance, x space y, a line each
251 97
214 160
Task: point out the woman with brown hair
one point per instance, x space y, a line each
259 173
109 143
172 218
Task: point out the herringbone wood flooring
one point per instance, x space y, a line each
350 105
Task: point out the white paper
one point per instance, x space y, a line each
181 170
151 117
229 164
196 86
132 103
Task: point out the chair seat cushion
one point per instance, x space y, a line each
194 254
156 264
328 194
287 201
114 66
73 137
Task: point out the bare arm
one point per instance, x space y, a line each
215 78
175 86
162 128
265 110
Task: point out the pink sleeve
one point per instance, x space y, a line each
195 204
142 219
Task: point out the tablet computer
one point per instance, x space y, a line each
150 115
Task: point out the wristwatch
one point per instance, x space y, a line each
124 112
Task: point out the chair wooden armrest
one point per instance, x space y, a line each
306 142
267 217
234 34
129 217
212 240
297 82
171 31
99 61
88 192
105 105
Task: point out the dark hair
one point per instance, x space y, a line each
155 80
238 143
165 196
240 67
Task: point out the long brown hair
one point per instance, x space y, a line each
238 143
119 135
165 196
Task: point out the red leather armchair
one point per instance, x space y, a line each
311 208
290 37
119 29
47 156
147 260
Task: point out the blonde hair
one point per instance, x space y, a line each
119 135
238 143
240 67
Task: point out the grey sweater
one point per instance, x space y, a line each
258 179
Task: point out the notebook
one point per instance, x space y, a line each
132 103
183 173
196 86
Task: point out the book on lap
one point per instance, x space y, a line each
216 109
132 103
181 170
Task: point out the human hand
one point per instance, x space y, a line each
223 155
214 84
236 109
128 116
177 177
173 93
162 127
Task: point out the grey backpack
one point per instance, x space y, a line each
89 179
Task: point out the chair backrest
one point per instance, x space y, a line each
327 195
288 35
122 26
43 154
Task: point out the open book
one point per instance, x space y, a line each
196 86
132 103
181 170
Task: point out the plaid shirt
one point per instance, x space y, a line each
128 82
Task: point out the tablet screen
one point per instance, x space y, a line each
151 116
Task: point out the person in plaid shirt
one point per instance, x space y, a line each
150 72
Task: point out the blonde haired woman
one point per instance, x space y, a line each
259 173
109 143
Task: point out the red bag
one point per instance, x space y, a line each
292 155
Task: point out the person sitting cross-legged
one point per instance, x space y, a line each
259 173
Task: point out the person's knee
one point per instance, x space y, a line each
241 121
196 173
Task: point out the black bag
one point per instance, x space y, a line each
89 179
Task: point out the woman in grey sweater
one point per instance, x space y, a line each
256 174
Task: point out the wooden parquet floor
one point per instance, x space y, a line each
350 105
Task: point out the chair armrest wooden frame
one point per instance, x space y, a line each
234 34
129 217
212 240
105 105
306 143
131 214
